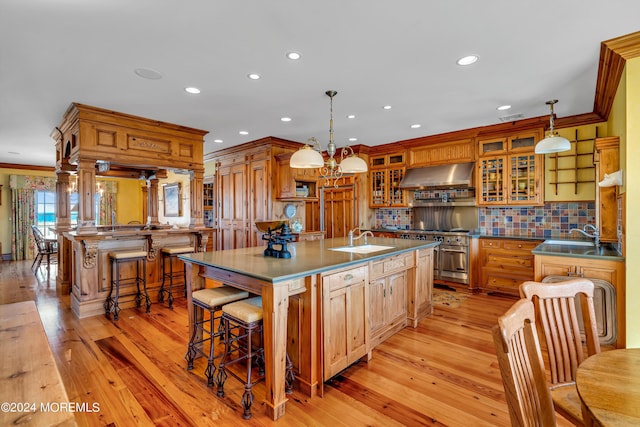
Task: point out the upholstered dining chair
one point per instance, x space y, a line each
556 310
521 367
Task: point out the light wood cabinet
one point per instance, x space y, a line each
509 172
231 179
386 172
345 306
462 151
506 263
420 287
293 183
611 271
388 296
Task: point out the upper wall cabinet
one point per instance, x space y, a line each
385 173
293 183
462 151
509 172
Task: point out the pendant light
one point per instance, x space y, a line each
553 143
310 155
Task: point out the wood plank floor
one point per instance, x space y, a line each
443 373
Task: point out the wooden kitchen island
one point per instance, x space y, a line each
327 308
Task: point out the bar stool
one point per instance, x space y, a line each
240 324
211 300
117 258
168 256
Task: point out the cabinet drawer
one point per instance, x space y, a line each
498 281
519 245
509 261
490 243
391 265
346 278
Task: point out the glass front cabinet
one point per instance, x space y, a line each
385 173
509 172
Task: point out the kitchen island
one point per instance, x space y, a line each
319 304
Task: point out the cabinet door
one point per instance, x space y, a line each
420 303
232 213
491 179
378 180
523 184
259 199
396 296
358 309
396 194
377 306
335 314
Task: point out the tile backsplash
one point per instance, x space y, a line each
551 220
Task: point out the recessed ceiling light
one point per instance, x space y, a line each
243 132
351 116
254 76
416 126
387 107
353 139
503 107
467 60
294 55
148 73
192 89
285 119
219 141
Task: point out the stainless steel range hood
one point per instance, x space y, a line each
444 176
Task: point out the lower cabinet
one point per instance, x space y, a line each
345 305
505 263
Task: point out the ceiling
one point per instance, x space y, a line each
401 53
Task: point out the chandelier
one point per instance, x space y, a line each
310 156
553 143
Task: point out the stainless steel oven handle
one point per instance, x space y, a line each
453 250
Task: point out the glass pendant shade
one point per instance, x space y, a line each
353 164
552 144
306 157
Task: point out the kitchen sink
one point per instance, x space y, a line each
361 249
569 242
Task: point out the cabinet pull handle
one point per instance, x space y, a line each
384 293
390 290
572 274
348 277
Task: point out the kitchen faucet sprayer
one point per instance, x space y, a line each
595 233
351 238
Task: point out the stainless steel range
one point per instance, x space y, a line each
451 257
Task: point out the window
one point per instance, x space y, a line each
45 215
46 211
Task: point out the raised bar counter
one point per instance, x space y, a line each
90 270
294 291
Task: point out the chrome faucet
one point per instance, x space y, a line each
351 238
595 233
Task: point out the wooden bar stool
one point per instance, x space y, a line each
211 300
117 258
240 325
168 256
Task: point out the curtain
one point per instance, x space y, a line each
23 207
107 202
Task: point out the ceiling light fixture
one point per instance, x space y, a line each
253 76
387 107
310 156
285 119
552 143
503 107
416 126
243 132
351 116
467 60
193 90
218 141
294 55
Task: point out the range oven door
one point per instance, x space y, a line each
454 262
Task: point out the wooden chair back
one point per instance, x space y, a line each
555 305
521 367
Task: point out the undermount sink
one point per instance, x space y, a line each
569 242
361 249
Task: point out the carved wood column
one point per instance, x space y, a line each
608 161
86 194
153 201
196 194
63 224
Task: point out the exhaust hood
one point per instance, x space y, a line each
445 176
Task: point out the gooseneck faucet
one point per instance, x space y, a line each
595 233
351 238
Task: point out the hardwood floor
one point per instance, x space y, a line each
443 373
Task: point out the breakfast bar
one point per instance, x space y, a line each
294 290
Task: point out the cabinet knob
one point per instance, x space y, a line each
347 277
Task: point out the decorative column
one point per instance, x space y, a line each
153 201
196 194
63 224
86 195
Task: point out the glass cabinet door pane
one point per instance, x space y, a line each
492 180
378 187
395 192
523 178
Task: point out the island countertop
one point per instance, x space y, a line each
307 257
